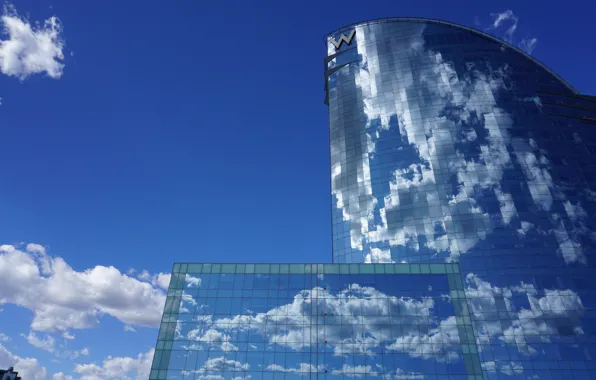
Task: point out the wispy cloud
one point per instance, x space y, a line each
505 25
500 20
528 44
30 49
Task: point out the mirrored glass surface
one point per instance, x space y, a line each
450 146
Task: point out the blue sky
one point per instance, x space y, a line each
135 134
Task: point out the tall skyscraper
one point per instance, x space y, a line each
464 189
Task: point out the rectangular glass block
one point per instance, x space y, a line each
274 269
354 268
157 359
160 345
215 268
168 344
195 268
206 268
228 268
424 268
367 269
296 268
176 268
380 268
262 268
415 268
389 268
154 374
284 268
331 269
240 268
250 268
402 268
344 269
438 268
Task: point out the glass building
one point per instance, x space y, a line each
464 236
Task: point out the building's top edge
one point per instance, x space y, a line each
343 268
452 24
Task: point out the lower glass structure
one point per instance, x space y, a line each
340 321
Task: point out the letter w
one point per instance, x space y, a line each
342 38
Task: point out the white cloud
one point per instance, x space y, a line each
358 306
508 368
502 18
46 344
61 376
30 49
302 368
537 322
438 343
222 364
192 281
213 337
4 337
528 44
118 368
161 280
376 255
355 371
28 368
62 298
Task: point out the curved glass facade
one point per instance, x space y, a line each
446 147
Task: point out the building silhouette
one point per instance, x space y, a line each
9 374
463 193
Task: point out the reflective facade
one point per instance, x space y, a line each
448 145
464 228
324 321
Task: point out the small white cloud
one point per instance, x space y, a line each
46 344
528 44
61 376
161 280
30 49
129 328
118 368
499 19
4 337
36 248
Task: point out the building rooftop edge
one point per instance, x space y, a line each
452 24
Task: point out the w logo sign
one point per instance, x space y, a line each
342 39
